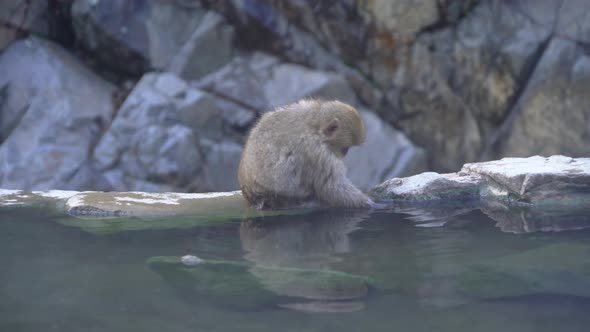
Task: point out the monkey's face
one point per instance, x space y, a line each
340 136
341 126
342 133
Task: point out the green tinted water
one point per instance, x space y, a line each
323 271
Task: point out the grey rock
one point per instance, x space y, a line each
567 18
456 85
294 28
289 83
160 139
556 180
133 37
167 154
386 153
538 182
207 49
450 74
260 82
53 113
552 114
406 17
17 15
430 186
307 33
242 81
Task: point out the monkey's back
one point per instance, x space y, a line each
271 169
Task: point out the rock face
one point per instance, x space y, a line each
169 134
556 181
174 135
134 37
17 18
53 111
466 80
552 114
166 136
262 82
520 194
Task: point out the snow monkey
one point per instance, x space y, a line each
294 154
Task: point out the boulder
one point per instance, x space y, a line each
429 187
555 182
207 49
54 110
404 17
455 86
167 136
18 18
134 37
262 82
455 76
552 114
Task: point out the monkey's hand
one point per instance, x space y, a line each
338 191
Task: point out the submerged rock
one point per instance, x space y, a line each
233 284
555 181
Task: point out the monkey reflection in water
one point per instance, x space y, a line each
293 156
312 244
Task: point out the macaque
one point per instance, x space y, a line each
293 157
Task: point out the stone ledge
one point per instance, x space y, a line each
552 182
555 182
115 204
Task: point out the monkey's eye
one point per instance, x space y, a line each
344 151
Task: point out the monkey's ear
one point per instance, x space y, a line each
331 128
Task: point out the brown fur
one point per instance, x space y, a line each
294 155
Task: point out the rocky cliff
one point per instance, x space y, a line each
158 95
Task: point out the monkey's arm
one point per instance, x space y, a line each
337 191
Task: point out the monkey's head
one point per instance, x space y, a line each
341 127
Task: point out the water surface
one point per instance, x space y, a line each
425 271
